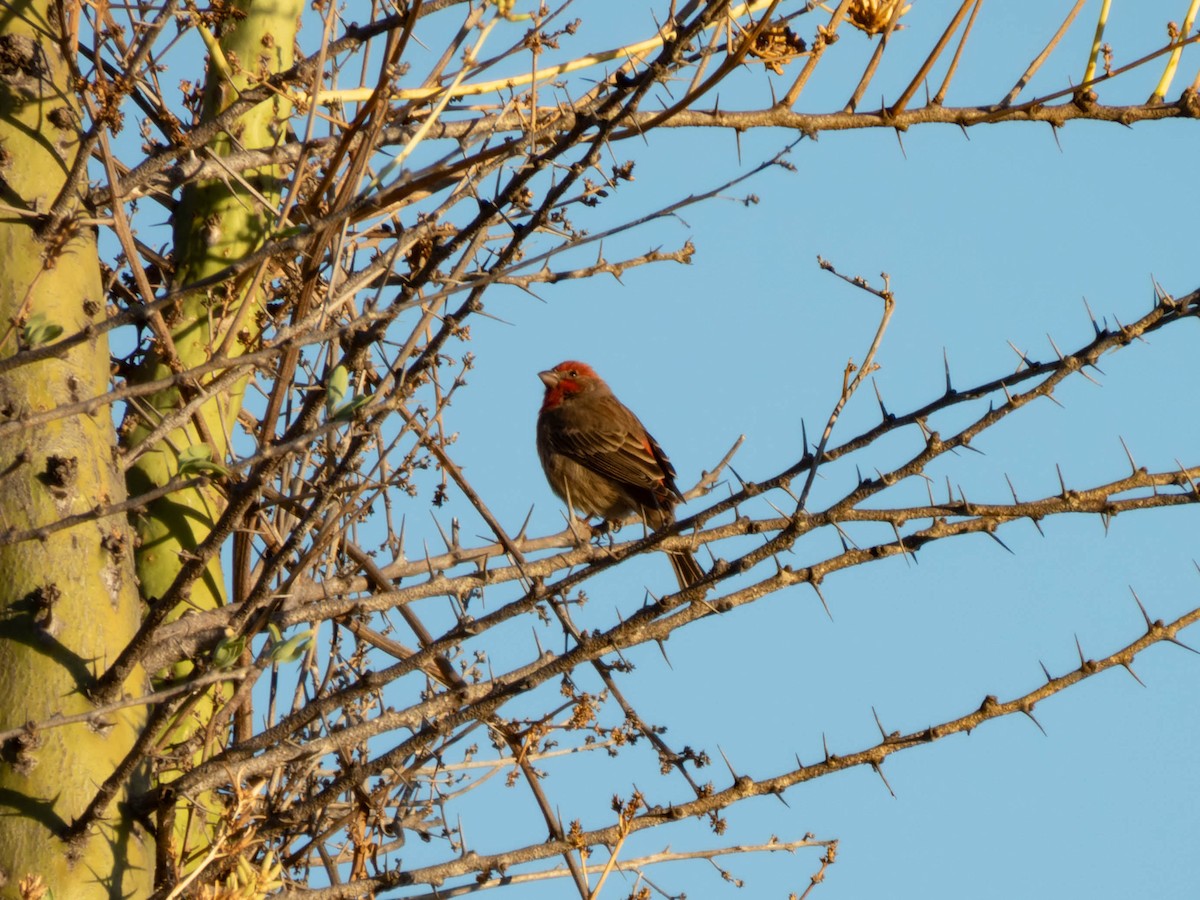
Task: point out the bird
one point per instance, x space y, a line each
600 459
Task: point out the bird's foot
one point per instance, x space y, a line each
605 529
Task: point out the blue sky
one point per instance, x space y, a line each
995 236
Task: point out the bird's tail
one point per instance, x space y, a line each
687 570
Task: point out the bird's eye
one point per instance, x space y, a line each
573 373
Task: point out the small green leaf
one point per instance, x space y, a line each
336 389
195 454
228 651
291 649
346 411
198 459
291 231
38 331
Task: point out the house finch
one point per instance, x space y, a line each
602 461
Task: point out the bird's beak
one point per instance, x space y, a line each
549 378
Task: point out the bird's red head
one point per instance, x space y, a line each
565 380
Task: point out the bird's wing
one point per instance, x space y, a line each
620 448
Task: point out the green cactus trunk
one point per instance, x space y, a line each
217 223
68 598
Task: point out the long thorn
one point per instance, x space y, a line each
1145 615
1033 719
879 771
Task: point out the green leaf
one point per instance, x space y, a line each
346 411
38 331
198 459
291 649
228 651
336 389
